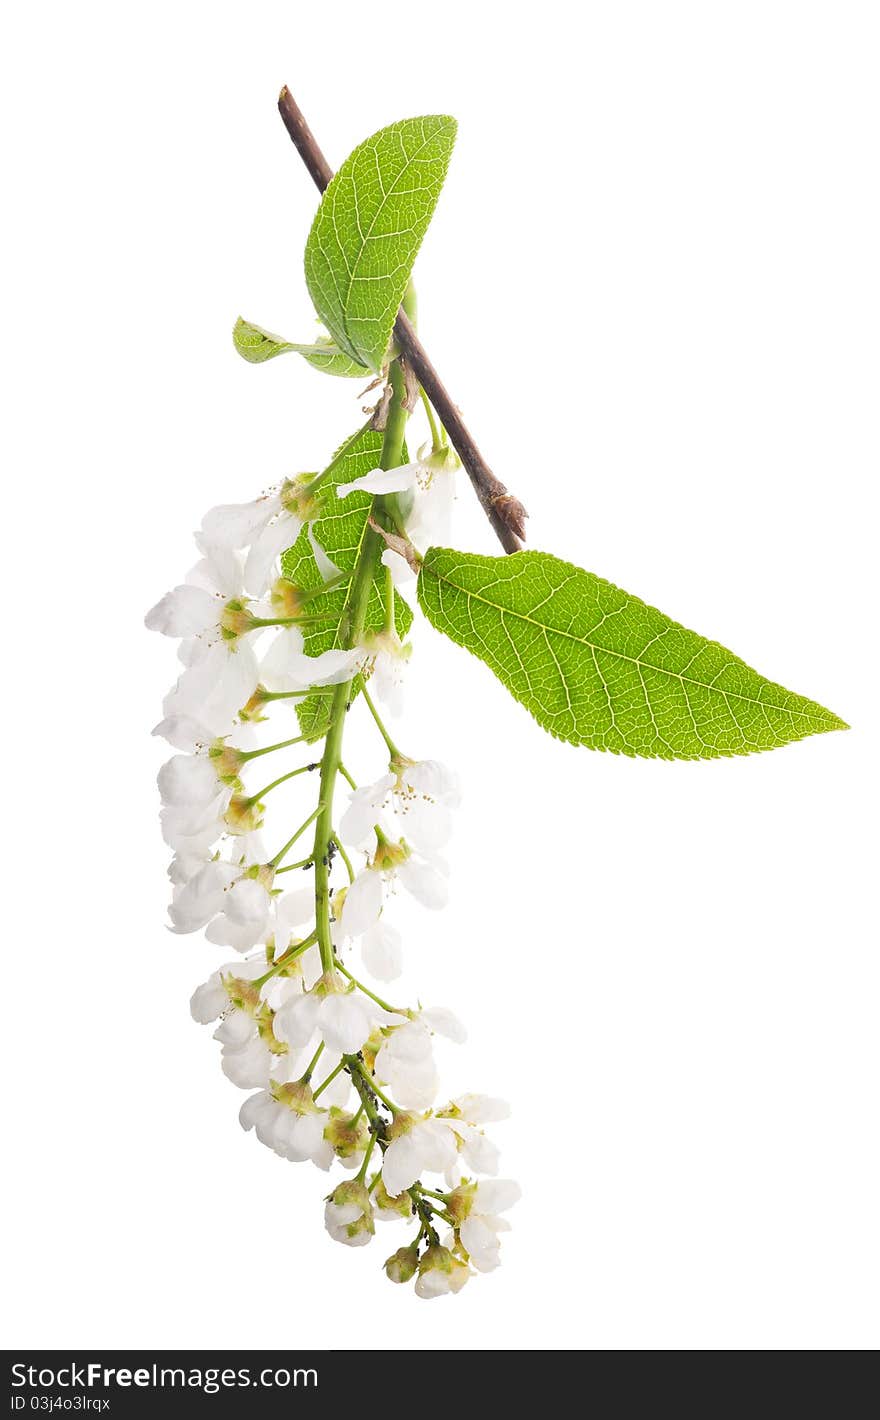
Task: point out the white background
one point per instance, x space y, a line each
652 285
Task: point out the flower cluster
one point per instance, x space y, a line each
337 1075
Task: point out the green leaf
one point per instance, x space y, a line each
257 345
340 532
368 229
600 668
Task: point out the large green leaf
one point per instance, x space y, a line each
368 229
257 345
340 533
600 668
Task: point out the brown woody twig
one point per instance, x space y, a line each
505 512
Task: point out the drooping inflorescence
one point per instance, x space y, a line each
335 1073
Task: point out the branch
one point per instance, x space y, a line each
505 512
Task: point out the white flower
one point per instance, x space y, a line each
424 792
418 1146
431 480
405 1061
200 898
221 668
247 1063
194 802
342 1018
348 1214
475 1208
425 878
285 667
364 811
440 1273
383 659
363 904
421 793
267 526
244 913
287 1120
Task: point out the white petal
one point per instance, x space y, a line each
330 668
234 524
185 732
482 1109
402 1164
184 611
296 1021
188 779
327 569
292 910
236 1028
444 1022
363 904
362 814
208 1000
248 1067
382 951
480 1154
422 879
496 1195
432 1284
381 480
400 570
266 546
344 1023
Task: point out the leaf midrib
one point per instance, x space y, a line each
633 660
365 238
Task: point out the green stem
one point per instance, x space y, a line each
273 862
304 1078
296 694
356 1068
347 777
291 867
437 444
367 992
292 620
392 747
332 1076
351 631
282 744
284 960
362 1171
363 1087
345 858
282 778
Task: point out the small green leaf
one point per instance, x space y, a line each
340 533
368 229
600 668
257 345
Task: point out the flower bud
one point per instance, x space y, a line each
348 1214
403 1264
440 1272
